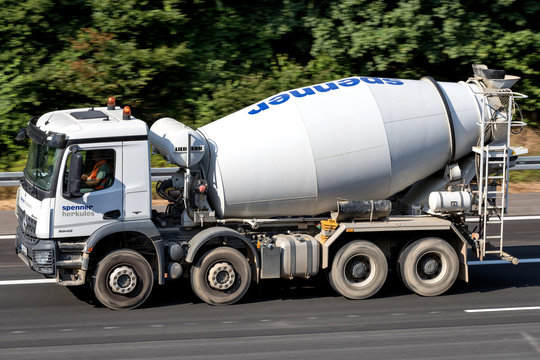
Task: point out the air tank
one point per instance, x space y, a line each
360 138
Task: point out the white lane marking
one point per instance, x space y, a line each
503 309
18 332
353 316
229 322
20 265
497 262
7 237
66 330
110 327
156 326
532 341
510 218
265 320
27 282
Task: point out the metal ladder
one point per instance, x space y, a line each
493 171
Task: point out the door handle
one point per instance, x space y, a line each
111 215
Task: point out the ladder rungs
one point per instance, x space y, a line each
492 151
505 122
496 161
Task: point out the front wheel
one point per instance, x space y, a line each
359 270
123 280
429 266
221 276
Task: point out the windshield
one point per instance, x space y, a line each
41 165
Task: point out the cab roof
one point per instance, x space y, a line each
91 123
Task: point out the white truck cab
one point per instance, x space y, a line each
50 207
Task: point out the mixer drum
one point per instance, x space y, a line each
298 152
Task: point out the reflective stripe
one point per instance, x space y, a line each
94 172
93 176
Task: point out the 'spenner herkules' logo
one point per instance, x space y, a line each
78 210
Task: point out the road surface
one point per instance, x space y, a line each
495 316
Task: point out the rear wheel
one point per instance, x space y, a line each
429 266
123 280
221 276
359 270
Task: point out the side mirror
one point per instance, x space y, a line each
21 135
75 172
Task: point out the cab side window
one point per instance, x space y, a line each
98 169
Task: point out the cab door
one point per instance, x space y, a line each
99 205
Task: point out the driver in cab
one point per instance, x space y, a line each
100 175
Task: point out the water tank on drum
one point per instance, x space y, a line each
177 142
359 138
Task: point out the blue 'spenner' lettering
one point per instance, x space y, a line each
321 88
77 207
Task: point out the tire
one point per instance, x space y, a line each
429 266
358 270
221 276
123 280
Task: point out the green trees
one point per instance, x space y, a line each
200 60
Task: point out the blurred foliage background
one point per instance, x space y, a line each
199 60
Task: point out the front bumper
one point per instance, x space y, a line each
38 254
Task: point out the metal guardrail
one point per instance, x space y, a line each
527 163
163 173
13 178
10 178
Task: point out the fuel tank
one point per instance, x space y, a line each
358 138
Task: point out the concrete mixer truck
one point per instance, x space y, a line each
348 179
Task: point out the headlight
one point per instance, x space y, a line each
43 257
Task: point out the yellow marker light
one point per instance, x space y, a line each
126 115
111 103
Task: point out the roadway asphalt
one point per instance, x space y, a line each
496 315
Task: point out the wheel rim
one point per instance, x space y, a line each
431 267
221 276
358 270
122 279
